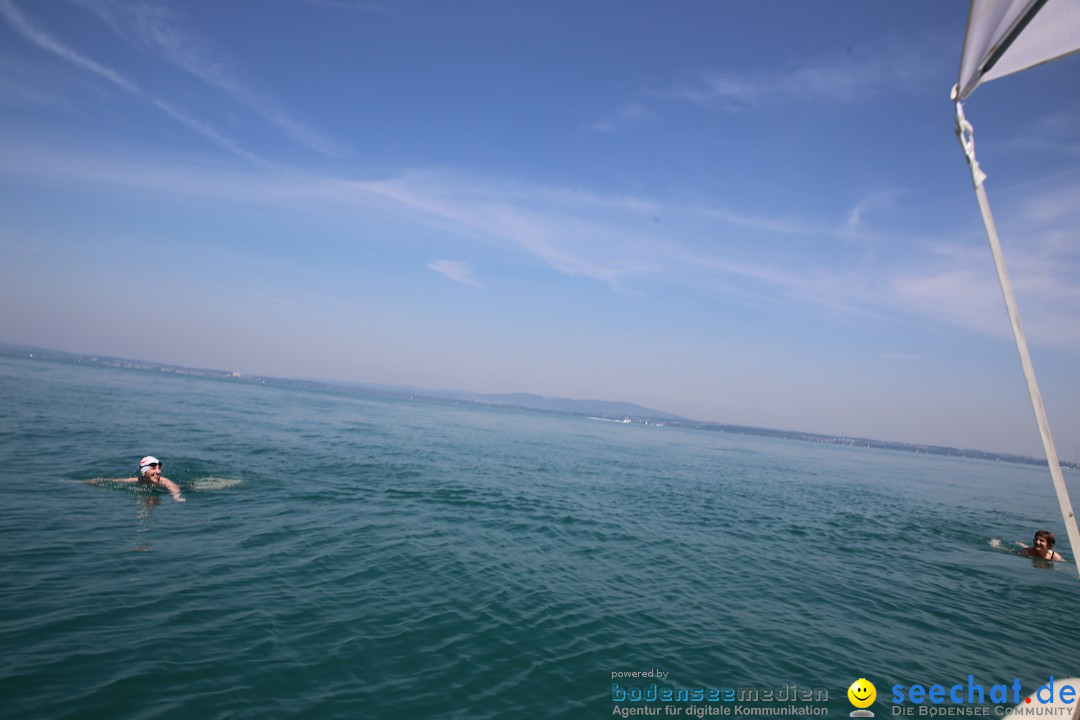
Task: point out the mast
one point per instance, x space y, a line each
966 135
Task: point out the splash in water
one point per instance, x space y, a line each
212 483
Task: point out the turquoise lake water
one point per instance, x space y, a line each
344 555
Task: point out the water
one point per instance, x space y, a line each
343 555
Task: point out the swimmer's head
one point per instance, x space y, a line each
146 463
1047 536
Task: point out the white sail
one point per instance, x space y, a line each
1006 36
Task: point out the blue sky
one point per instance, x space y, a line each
753 213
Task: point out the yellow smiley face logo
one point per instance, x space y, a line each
862 693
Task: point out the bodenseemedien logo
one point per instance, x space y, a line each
862 694
662 695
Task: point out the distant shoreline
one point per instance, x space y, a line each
534 403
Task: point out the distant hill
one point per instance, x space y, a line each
600 408
588 408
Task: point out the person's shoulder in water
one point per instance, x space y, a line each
150 475
1042 547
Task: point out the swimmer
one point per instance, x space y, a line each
150 476
1042 547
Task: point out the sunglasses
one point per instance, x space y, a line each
154 465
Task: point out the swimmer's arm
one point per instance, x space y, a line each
173 489
125 480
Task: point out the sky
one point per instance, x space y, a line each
747 213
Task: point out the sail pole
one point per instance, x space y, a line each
966 136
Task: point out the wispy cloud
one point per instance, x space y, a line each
614 240
838 80
778 224
857 227
208 132
1055 206
158 30
631 113
18 20
455 270
556 232
959 286
45 41
1055 134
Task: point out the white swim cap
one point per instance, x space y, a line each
146 462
